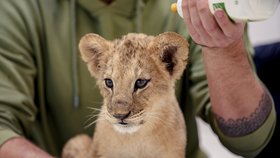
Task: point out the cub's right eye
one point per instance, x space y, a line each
108 83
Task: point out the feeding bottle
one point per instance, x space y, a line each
239 10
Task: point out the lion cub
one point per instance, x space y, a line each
140 116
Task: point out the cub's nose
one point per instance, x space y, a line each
122 116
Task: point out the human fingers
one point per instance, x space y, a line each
210 24
208 30
187 20
201 34
232 30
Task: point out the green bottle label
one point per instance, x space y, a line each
217 6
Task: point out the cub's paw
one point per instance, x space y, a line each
76 146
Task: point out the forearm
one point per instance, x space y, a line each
237 97
23 148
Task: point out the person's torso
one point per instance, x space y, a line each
66 75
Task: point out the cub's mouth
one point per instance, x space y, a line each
128 123
123 123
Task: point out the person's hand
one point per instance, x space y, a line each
208 30
20 147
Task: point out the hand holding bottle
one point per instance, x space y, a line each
208 30
239 10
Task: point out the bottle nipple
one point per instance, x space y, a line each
177 8
173 7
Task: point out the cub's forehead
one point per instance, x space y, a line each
129 55
130 50
128 69
132 45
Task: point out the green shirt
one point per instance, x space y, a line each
46 89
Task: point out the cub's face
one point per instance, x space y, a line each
135 74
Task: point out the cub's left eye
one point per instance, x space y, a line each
141 83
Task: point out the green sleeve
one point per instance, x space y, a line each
247 146
17 69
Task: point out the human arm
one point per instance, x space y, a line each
17 76
236 94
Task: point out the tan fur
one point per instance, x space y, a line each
154 126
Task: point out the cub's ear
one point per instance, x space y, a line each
93 49
170 51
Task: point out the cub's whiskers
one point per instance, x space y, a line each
95 115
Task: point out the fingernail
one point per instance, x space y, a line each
219 13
